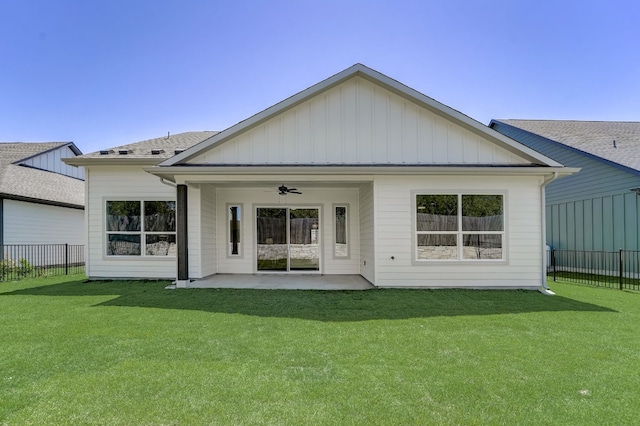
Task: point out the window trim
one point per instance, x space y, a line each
347 206
459 233
142 232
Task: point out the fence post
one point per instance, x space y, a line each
621 275
66 259
553 263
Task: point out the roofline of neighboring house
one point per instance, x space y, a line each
40 201
570 148
359 70
71 145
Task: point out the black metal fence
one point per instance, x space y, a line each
19 261
616 269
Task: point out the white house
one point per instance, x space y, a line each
357 174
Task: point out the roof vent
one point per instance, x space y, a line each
157 151
178 151
105 152
125 151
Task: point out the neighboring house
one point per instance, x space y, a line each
358 174
598 208
41 198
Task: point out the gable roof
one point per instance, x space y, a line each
29 184
150 151
377 78
615 141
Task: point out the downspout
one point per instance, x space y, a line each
544 288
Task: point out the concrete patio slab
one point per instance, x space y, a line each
283 282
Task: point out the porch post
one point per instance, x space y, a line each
181 236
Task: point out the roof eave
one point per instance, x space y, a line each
95 161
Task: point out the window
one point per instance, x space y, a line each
459 227
137 228
235 224
341 247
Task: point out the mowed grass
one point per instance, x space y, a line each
75 352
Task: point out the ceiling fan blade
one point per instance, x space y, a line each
294 192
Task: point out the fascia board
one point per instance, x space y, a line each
79 161
244 173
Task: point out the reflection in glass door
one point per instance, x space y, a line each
287 239
304 247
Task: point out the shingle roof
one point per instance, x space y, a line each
26 182
593 137
164 147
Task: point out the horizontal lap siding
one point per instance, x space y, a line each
367 233
394 234
31 223
127 183
249 198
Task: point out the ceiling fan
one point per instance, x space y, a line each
283 190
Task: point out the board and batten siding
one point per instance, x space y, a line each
357 122
395 244
591 210
52 161
122 183
251 198
33 223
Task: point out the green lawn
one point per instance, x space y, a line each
133 353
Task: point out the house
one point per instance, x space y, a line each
41 198
597 209
356 175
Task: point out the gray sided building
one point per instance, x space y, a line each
598 208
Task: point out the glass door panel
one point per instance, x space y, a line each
273 250
304 240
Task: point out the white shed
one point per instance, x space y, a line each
357 174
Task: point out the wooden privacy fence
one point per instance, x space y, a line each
19 261
613 269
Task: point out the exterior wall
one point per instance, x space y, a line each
202 230
251 198
367 233
52 161
31 223
591 210
357 122
394 216
122 183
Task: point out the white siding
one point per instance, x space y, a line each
357 122
393 198
250 198
122 183
201 235
52 161
31 223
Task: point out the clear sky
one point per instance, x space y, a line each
102 73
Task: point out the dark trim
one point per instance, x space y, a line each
71 146
181 230
40 201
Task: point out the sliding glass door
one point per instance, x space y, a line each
288 239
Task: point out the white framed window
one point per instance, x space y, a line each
341 227
459 227
140 228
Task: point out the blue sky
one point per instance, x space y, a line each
110 72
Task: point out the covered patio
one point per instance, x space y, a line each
282 282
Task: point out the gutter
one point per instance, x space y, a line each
544 288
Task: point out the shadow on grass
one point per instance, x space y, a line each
315 304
